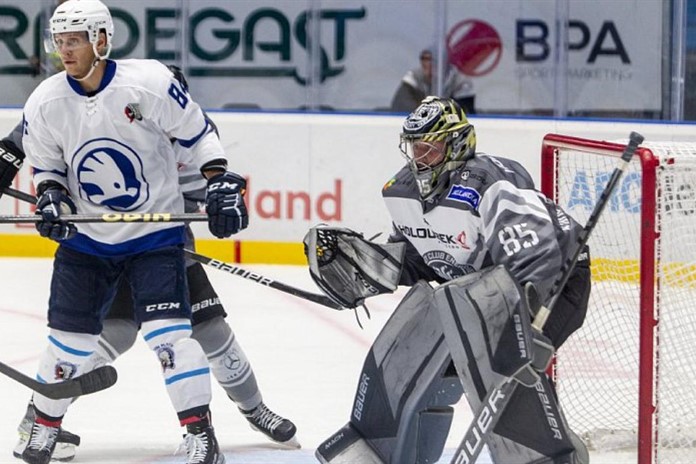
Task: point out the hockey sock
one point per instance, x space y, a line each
66 357
195 419
117 337
184 366
229 364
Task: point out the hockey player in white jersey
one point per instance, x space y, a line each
475 224
98 138
209 328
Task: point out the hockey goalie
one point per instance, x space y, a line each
480 248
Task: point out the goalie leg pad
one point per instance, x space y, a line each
486 324
347 446
533 429
400 409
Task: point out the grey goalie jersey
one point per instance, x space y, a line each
489 214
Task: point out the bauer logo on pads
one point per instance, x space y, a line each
465 194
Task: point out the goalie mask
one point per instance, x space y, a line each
436 138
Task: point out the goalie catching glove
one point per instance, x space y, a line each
349 268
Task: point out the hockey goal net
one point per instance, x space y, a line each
626 379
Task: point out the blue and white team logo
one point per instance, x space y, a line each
166 356
64 370
445 265
110 174
465 194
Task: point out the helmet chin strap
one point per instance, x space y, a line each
94 65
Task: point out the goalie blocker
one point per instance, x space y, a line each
468 335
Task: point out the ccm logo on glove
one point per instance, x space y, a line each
224 185
224 203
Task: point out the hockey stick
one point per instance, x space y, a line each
497 399
234 270
313 297
110 217
19 195
99 379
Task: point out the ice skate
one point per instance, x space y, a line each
66 443
202 446
275 427
42 442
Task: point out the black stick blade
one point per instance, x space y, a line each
97 380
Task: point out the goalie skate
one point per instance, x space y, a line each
275 427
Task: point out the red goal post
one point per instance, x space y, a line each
626 379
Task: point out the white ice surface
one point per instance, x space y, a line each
306 359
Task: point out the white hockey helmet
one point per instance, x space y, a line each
90 16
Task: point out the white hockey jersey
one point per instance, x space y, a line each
113 150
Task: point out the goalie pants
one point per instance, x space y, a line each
571 308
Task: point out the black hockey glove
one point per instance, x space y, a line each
11 159
224 203
54 201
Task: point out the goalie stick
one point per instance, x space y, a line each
234 270
99 379
496 400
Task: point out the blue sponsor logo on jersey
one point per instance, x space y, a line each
110 174
465 194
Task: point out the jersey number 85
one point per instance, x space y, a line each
516 238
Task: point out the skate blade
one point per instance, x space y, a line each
292 443
62 453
